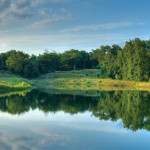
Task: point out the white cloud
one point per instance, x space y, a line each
51 21
10 9
107 26
141 23
39 2
63 10
22 9
105 128
35 44
13 142
51 134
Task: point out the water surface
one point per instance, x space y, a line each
43 121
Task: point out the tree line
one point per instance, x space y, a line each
132 62
22 64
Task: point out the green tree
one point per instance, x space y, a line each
48 62
31 69
16 62
70 60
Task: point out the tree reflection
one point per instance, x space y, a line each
133 107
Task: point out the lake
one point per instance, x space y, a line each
44 120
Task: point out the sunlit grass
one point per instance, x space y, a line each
14 83
92 81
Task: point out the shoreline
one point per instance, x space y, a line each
93 84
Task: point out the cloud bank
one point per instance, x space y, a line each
22 9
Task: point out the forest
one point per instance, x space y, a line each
130 62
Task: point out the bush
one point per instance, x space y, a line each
98 75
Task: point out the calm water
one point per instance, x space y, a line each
107 121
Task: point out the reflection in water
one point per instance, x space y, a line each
132 107
41 121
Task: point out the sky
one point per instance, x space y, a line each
33 26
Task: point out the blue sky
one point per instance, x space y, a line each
35 25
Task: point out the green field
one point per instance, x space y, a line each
9 82
85 73
84 80
88 79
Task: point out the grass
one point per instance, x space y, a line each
88 79
85 73
9 82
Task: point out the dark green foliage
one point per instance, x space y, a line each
3 58
31 69
135 60
22 64
107 58
94 58
48 62
74 59
16 62
132 62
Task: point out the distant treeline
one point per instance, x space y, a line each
132 62
22 64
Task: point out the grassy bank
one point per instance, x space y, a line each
9 82
89 79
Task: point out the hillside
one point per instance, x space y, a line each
10 82
87 79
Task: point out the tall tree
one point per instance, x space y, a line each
48 62
16 62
